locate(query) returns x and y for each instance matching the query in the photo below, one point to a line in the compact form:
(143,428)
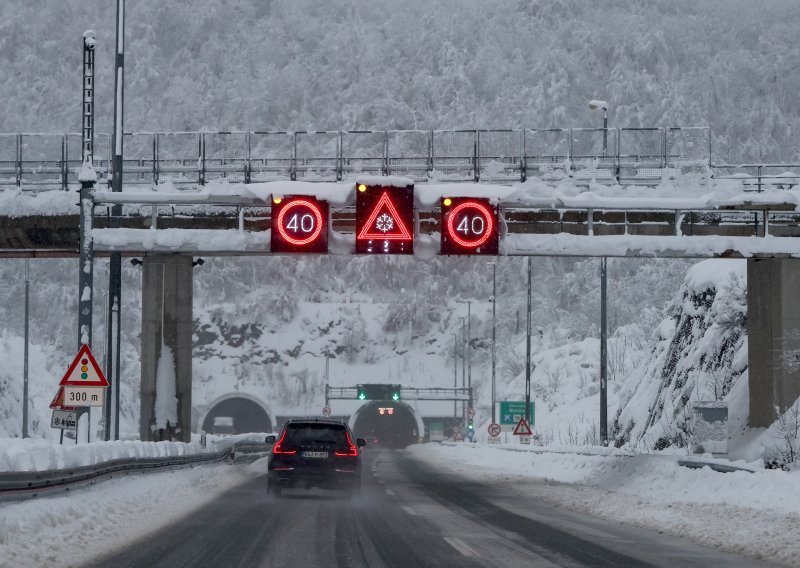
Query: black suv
(315,453)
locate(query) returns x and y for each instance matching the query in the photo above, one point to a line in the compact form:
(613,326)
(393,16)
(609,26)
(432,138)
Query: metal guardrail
(640,156)
(18,485)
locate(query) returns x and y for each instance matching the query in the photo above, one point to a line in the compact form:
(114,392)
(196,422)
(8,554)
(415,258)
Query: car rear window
(301,434)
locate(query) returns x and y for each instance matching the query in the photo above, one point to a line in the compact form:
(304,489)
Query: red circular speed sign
(299,222)
(494,429)
(469,226)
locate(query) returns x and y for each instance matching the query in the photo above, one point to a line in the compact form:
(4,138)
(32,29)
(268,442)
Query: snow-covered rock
(700,353)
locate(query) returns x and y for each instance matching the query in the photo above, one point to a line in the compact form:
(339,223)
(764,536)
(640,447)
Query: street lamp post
(603,303)
(604,106)
(25,354)
(455,371)
(494,339)
(463,356)
(468,347)
(528,346)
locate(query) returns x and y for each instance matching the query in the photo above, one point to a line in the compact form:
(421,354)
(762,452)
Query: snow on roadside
(73,529)
(754,514)
(37,454)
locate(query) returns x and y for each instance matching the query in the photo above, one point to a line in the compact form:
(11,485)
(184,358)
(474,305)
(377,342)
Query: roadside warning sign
(58,402)
(522,428)
(84,371)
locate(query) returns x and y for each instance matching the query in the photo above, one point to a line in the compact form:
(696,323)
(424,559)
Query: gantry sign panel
(299,224)
(384,219)
(469,226)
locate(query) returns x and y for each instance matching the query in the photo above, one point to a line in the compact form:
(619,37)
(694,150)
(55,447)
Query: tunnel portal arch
(249,414)
(393,423)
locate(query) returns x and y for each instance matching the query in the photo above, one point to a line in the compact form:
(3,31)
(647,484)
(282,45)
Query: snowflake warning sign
(384,219)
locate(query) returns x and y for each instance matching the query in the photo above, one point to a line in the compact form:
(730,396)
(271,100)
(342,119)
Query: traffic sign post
(384,219)
(84,396)
(299,224)
(82,386)
(523,431)
(58,401)
(84,371)
(510,412)
(469,226)
(64,420)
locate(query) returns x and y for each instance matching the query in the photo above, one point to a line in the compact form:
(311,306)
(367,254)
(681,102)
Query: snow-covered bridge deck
(689,217)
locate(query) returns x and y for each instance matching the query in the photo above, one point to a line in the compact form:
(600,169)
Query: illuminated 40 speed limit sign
(469,226)
(299,224)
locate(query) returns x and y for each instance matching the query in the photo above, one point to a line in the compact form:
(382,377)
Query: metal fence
(629,156)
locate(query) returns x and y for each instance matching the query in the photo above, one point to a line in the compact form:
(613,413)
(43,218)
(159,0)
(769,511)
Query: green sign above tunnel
(374,391)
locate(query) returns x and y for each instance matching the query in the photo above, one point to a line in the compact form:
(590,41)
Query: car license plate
(315,454)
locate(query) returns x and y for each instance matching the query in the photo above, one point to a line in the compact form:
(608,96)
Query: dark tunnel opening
(392,423)
(237,415)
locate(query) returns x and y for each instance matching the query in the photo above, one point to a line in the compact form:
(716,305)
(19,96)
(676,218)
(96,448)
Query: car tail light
(277,449)
(352,449)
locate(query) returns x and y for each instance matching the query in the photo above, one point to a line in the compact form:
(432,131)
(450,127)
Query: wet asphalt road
(409,515)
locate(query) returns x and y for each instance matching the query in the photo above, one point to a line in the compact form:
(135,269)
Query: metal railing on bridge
(629,156)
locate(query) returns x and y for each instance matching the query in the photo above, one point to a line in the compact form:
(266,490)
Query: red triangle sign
(522,428)
(84,371)
(385,223)
(58,402)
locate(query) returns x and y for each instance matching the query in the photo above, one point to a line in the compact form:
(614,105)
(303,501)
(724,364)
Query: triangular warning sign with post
(84,371)
(58,402)
(385,222)
(522,428)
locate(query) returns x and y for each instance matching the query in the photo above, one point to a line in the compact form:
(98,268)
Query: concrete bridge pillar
(166,390)
(773,321)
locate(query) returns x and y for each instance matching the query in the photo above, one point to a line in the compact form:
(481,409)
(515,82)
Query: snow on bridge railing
(628,156)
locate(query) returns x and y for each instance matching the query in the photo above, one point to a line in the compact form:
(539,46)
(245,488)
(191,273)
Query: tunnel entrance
(237,415)
(394,424)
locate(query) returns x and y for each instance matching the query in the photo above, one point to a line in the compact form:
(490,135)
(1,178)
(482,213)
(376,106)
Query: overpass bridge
(212,194)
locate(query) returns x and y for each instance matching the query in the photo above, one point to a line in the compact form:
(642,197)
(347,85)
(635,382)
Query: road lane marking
(409,510)
(460,545)
(389,492)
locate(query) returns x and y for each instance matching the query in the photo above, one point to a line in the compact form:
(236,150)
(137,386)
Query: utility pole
(115,262)
(469,349)
(603,352)
(528,346)
(463,360)
(494,340)
(455,371)
(25,364)
(87,179)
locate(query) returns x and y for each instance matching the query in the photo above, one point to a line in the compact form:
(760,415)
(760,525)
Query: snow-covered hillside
(318,64)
